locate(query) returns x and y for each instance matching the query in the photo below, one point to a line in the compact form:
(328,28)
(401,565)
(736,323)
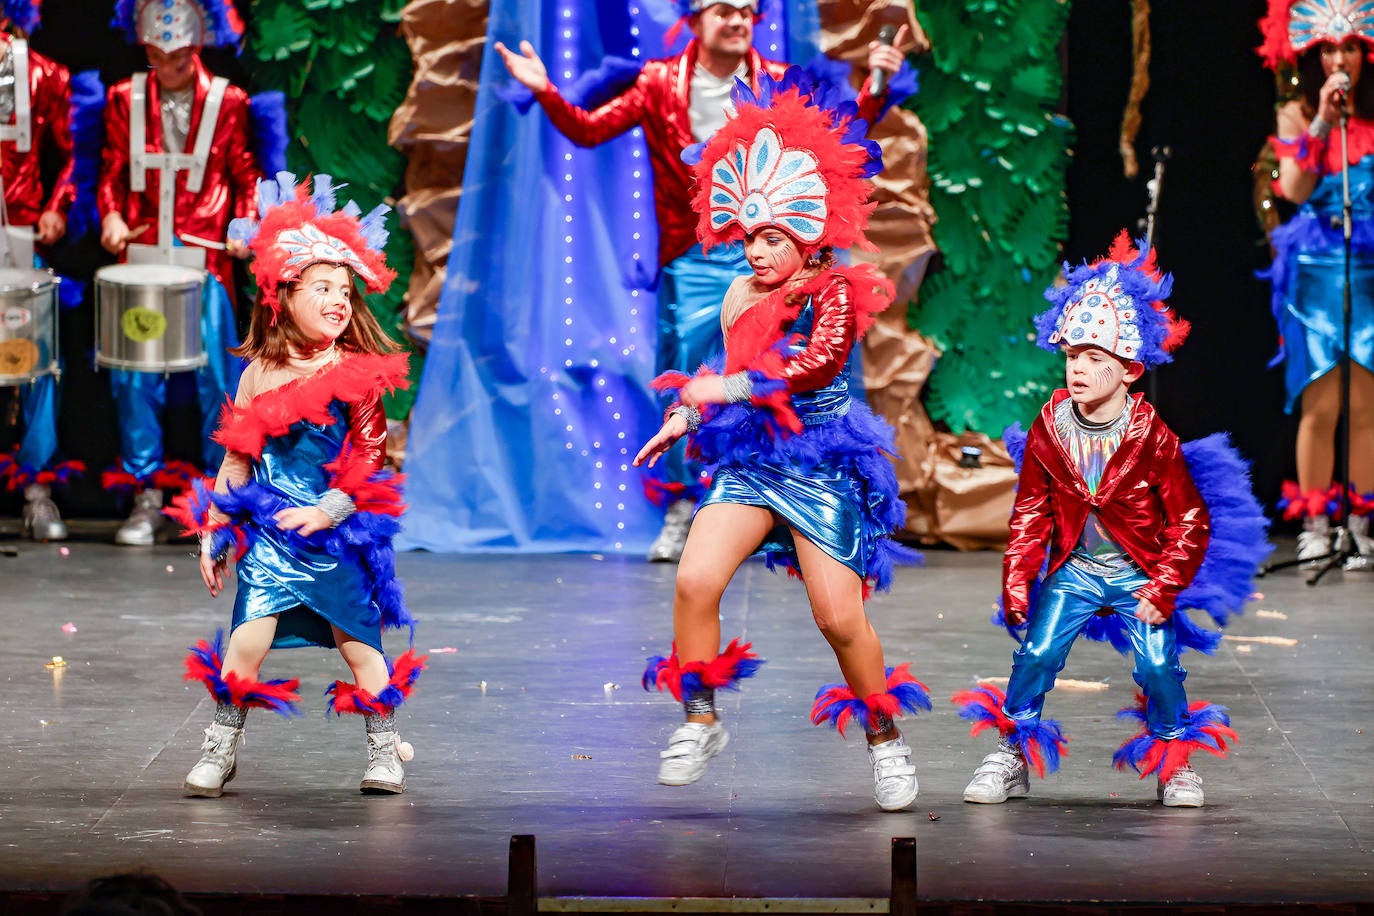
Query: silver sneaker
(384,774)
(1183,790)
(690,748)
(1359,530)
(677,521)
(1000,776)
(218,762)
(894,778)
(41,519)
(1314,542)
(144,523)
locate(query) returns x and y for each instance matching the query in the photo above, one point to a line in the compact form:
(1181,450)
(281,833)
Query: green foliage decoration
(998,154)
(344,68)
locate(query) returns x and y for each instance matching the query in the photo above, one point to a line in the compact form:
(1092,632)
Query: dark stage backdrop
(1211,100)
(78,34)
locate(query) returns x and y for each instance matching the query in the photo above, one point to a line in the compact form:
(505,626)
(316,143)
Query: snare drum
(28,325)
(148,317)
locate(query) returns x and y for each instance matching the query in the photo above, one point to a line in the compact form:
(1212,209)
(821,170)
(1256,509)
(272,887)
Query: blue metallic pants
(1068,600)
(141,397)
(38,403)
(690,292)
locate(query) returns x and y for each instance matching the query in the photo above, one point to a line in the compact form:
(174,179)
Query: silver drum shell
(148,317)
(28,325)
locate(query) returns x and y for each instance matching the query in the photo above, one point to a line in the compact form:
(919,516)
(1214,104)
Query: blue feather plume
(268,113)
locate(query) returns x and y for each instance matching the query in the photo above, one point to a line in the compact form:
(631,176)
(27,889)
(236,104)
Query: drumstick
(203,243)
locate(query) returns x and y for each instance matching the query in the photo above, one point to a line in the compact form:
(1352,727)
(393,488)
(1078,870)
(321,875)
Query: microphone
(886,36)
(1344,88)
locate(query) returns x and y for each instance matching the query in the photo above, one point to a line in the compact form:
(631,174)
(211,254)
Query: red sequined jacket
(1146,501)
(49,100)
(229,188)
(658,101)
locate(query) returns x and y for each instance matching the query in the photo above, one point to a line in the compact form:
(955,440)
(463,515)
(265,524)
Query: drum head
(14,279)
(150,275)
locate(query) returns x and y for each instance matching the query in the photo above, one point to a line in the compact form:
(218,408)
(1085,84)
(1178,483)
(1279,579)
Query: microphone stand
(1343,545)
(1161,155)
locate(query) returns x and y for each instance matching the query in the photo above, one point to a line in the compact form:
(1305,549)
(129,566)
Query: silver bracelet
(336,504)
(738,388)
(1319,128)
(690,414)
(207,546)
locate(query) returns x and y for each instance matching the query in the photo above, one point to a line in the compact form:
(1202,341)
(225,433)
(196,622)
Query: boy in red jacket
(1106,492)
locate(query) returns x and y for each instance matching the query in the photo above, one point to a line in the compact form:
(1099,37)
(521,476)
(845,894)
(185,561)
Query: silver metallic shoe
(894,778)
(1000,776)
(384,774)
(41,519)
(1183,790)
(144,523)
(1359,530)
(1314,542)
(218,762)
(677,521)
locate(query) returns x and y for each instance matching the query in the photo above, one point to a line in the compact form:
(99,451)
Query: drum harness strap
(167,164)
(13,250)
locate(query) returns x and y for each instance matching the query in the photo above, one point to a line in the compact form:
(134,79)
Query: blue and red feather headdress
(26,14)
(1115,303)
(173,24)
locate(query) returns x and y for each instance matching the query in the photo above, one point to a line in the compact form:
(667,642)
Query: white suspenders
(166,165)
(21,131)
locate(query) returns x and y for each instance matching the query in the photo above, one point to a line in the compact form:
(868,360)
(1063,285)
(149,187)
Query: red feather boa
(355,378)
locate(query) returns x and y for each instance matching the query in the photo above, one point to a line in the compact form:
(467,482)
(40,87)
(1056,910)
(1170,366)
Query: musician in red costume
(206,122)
(680,101)
(34,126)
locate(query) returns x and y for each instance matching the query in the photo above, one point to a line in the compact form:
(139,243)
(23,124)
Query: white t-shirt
(711,100)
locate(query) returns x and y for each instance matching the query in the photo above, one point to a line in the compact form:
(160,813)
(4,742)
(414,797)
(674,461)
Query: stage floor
(531,720)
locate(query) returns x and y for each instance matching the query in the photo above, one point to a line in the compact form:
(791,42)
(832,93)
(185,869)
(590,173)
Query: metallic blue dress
(833,482)
(284,574)
(1308,277)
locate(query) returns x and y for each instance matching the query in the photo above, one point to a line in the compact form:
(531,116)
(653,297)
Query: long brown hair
(1312,76)
(272,343)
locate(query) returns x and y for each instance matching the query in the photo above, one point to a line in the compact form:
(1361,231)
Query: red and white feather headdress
(298,227)
(1293,26)
(783,160)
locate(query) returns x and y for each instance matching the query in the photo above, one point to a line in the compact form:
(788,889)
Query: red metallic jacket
(50,96)
(658,101)
(1146,501)
(229,189)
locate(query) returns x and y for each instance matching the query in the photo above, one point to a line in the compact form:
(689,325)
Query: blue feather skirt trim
(833,483)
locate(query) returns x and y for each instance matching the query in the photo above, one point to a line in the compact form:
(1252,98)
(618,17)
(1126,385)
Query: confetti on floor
(1274,615)
(1061,683)
(1265,640)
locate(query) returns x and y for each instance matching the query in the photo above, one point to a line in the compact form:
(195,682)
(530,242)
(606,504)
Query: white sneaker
(384,774)
(1359,530)
(677,521)
(1183,790)
(1001,775)
(690,747)
(1314,542)
(217,764)
(141,527)
(41,518)
(894,778)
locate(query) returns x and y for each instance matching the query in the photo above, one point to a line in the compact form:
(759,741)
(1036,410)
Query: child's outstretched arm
(673,429)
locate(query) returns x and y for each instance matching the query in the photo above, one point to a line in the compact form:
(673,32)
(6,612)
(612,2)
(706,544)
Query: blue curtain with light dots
(535,395)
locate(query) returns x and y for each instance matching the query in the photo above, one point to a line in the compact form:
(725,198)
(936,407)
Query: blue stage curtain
(535,394)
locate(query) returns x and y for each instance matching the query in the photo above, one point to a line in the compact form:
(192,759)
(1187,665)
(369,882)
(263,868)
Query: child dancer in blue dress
(801,470)
(301,494)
